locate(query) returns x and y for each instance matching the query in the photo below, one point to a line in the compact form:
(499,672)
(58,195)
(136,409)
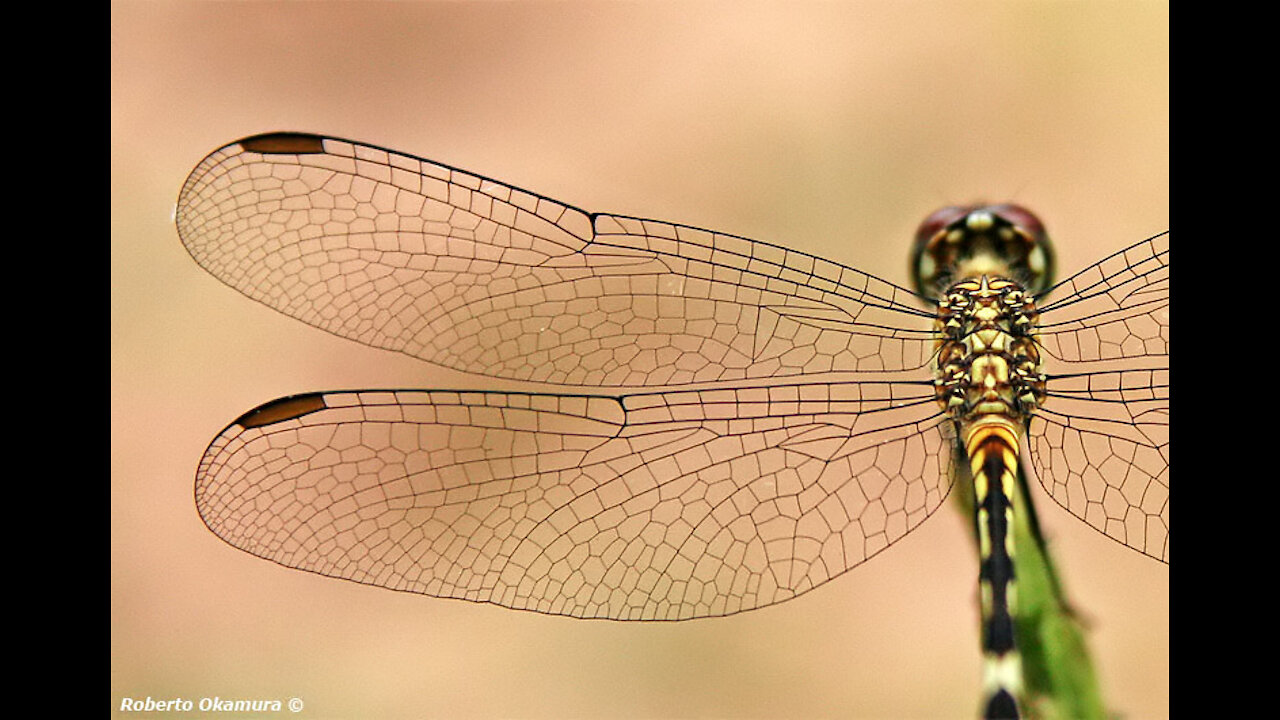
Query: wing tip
(283,143)
(279,410)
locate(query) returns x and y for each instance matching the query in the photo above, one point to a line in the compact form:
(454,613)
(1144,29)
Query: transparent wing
(401,253)
(659,506)
(1100,444)
(1100,448)
(1115,309)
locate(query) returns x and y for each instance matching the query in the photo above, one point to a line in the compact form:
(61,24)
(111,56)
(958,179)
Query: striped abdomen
(992,448)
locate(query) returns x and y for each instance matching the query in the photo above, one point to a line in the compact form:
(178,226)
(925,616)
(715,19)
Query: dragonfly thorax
(957,243)
(987,361)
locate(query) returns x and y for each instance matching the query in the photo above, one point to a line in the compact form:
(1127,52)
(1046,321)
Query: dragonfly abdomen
(992,446)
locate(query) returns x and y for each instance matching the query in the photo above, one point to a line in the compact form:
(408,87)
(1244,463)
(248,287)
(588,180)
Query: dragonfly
(731,423)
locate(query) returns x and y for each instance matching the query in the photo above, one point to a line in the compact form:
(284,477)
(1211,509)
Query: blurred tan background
(831,128)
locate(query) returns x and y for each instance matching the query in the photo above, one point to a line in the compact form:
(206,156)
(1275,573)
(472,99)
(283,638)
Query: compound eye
(938,220)
(1019,216)
(931,261)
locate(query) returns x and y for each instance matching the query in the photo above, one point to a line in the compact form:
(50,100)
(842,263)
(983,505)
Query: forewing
(660,506)
(1115,309)
(1100,444)
(401,253)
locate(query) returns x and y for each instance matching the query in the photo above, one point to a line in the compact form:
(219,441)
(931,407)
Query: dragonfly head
(956,243)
